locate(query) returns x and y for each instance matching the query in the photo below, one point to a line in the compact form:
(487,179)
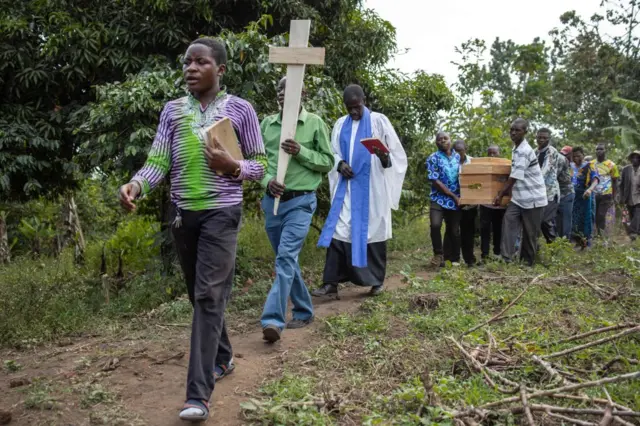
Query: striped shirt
(529,191)
(179,150)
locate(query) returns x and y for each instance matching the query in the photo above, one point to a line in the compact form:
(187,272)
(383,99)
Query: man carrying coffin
(364,188)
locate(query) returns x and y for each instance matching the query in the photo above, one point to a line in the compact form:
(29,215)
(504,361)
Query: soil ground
(140,379)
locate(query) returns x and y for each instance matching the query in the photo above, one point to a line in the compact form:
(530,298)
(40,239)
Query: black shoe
(271,333)
(298,323)
(376,290)
(326,290)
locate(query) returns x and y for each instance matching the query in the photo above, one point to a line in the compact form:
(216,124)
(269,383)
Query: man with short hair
(443,169)
(564,216)
(311,157)
(606,191)
(364,189)
(548,161)
(528,198)
(630,193)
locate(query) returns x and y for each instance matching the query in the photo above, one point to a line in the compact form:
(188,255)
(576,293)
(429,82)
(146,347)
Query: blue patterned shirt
(446,170)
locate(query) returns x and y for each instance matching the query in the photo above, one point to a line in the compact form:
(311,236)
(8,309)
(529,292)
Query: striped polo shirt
(179,150)
(529,191)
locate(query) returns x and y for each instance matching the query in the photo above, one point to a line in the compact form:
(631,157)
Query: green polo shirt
(315,156)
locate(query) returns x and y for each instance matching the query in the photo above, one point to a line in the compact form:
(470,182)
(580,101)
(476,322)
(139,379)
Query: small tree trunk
(5,255)
(72,227)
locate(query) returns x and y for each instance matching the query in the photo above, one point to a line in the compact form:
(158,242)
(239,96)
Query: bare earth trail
(148,373)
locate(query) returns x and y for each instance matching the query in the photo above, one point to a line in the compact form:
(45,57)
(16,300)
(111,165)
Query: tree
(55,52)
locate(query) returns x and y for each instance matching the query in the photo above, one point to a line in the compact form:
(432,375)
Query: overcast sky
(431,29)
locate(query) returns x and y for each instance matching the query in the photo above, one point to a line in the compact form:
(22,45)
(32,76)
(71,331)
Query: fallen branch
(525,405)
(585,398)
(594,343)
(550,392)
(591,333)
(595,288)
(555,375)
(513,302)
(569,410)
(486,372)
(570,420)
(612,404)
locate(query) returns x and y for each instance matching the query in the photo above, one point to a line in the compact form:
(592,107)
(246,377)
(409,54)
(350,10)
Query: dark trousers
(634,215)
(451,218)
(603,203)
(206,244)
(338,266)
(467,235)
(548,226)
(564,216)
(490,222)
(516,219)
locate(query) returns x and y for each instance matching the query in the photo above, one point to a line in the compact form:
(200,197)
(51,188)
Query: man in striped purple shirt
(207,206)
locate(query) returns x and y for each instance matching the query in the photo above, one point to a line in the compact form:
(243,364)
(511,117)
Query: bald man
(311,157)
(364,189)
(528,198)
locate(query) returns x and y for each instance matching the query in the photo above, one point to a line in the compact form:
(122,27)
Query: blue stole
(361,165)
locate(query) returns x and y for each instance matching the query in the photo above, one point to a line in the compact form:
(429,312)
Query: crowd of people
(559,194)
(206,193)
(207,190)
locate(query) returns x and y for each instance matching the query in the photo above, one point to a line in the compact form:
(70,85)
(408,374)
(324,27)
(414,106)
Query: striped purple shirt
(179,149)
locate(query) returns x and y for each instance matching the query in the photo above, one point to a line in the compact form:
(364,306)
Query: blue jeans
(564,218)
(287,232)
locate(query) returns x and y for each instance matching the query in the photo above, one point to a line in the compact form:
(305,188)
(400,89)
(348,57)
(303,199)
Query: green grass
(391,362)
(47,298)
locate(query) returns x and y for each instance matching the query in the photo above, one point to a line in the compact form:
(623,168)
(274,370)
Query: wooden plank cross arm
(296,56)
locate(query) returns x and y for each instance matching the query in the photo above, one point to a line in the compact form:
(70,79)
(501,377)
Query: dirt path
(148,373)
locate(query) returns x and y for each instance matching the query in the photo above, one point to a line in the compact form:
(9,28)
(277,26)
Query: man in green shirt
(311,156)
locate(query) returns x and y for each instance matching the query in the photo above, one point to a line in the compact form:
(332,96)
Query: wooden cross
(296,56)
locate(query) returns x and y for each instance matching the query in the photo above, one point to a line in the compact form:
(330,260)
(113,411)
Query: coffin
(482,179)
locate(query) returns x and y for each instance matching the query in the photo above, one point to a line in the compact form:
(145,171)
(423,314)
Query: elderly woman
(585,179)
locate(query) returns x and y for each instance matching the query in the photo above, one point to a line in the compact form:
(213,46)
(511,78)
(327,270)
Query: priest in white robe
(364,189)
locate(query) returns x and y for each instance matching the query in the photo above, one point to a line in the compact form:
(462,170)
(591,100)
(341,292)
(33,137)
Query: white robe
(385,185)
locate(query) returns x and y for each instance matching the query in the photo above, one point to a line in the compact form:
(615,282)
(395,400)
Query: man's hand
(275,188)
(219,159)
(383,156)
(291,147)
(456,199)
(498,200)
(587,194)
(128,193)
(345,170)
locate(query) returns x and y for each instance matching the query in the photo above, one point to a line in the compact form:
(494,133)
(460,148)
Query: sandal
(221,370)
(195,411)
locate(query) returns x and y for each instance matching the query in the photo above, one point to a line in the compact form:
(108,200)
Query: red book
(372,143)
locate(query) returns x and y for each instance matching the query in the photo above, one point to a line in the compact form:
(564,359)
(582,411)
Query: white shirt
(385,185)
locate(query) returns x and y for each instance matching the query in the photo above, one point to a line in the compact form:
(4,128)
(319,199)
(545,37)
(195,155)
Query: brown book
(226,136)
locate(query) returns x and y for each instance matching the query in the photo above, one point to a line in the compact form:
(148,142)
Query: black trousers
(548,225)
(603,203)
(206,244)
(467,237)
(490,223)
(338,268)
(451,218)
